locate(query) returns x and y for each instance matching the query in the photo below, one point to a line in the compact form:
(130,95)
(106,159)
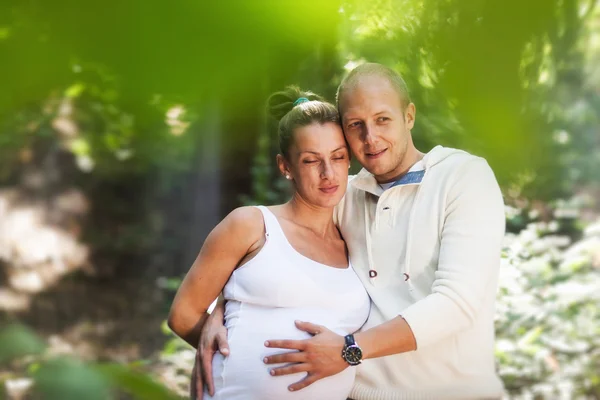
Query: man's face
(376,127)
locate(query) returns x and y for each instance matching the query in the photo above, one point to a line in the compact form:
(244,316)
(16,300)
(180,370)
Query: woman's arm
(240,233)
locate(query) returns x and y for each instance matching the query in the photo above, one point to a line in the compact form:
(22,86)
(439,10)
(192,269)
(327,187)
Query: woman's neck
(318,219)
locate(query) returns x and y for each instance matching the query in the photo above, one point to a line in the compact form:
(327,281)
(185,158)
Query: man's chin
(376,169)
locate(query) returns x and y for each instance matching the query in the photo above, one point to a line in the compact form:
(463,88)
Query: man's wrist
(360,340)
(351,352)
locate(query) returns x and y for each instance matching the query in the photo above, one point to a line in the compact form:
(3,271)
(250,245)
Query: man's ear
(409,115)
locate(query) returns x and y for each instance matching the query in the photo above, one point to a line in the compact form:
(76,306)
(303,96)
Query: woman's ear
(284,167)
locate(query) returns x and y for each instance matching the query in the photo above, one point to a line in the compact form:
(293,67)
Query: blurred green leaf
(532,336)
(137,384)
(172,283)
(75,90)
(68,379)
(175,345)
(4,32)
(33,367)
(164,327)
(17,341)
(80,147)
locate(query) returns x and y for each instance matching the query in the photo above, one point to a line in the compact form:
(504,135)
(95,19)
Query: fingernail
(297,321)
(265,360)
(272,372)
(291,389)
(267,343)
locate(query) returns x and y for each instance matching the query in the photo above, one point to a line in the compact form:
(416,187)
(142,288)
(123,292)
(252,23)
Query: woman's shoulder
(241,227)
(245,218)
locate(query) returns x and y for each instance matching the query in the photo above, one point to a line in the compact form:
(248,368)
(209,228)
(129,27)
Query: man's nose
(370,134)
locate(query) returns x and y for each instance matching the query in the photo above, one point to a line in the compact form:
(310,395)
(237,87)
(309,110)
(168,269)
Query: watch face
(353,355)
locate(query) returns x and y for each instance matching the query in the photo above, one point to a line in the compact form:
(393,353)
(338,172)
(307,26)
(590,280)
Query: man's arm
(468,264)
(469,258)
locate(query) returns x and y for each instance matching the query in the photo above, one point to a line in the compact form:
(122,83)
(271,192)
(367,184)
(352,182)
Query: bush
(548,336)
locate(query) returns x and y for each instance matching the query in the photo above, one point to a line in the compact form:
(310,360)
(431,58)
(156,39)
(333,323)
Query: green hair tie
(300,101)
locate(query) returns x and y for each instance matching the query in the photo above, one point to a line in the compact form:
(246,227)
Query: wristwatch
(351,353)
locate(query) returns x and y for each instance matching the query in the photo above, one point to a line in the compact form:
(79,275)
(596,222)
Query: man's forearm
(392,337)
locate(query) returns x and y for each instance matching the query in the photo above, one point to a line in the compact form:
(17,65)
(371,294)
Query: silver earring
(288,177)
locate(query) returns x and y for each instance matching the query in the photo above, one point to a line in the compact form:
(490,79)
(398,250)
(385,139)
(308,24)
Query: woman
(278,264)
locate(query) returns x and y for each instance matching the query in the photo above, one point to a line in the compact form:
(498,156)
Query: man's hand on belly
(319,356)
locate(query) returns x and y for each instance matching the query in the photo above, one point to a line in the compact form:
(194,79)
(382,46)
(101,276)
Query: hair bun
(281,103)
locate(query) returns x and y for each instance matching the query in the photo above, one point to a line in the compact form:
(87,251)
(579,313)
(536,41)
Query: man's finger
(309,380)
(290,369)
(292,357)
(313,329)
(206,357)
(286,344)
(223,344)
(196,389)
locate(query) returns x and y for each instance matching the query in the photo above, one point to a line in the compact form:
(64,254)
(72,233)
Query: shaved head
(368,70)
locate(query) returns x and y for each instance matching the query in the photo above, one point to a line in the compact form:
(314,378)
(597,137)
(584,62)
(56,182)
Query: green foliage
(17,341)
(137,384)
(268,187)
(89,121)
(70,379)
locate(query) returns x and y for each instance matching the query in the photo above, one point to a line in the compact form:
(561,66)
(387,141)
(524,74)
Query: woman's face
(318,164)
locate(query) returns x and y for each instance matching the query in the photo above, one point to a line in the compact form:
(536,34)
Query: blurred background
(129,129)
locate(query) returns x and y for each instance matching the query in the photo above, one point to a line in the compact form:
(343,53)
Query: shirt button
(372,273)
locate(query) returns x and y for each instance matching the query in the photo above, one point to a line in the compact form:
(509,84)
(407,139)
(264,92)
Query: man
(424,234)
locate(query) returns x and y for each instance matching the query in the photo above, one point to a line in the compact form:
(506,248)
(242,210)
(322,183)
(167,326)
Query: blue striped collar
(364,180)
(411,177)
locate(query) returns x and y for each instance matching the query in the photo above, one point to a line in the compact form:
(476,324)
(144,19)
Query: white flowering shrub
(548,310)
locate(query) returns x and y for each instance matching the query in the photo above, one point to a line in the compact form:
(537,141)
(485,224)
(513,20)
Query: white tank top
(264,297)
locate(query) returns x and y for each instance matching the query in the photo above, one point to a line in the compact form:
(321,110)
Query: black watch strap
(349,339)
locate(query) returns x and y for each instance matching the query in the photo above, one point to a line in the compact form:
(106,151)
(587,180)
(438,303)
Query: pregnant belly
(244,375)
